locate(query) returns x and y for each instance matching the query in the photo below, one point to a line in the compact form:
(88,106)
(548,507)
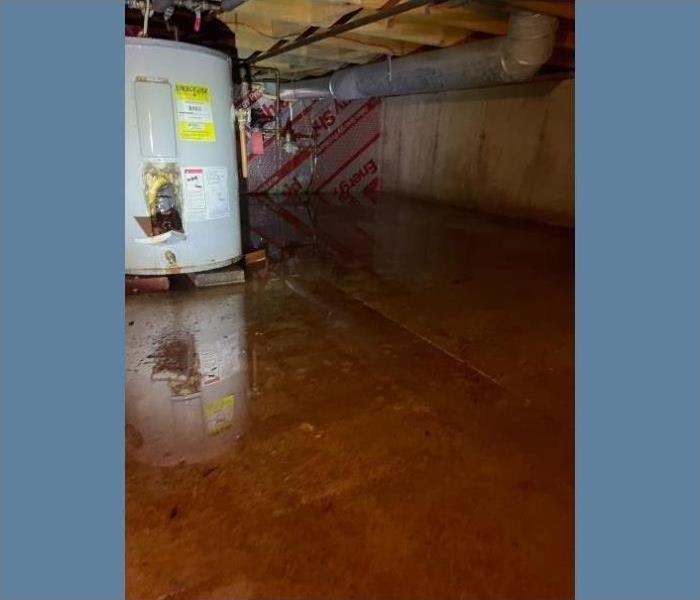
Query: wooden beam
(248,38)
(438,26)
(305,12)
(456,19)
(275,29)
(556,8)
(363,20)
(387,46)
(414,31)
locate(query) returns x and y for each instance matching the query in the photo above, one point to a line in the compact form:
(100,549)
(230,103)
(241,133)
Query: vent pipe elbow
(528,45)
(511,58)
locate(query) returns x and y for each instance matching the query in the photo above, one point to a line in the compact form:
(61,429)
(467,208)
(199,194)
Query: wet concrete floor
(388,414)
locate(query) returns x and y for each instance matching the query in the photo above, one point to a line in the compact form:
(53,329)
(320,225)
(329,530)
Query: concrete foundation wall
(506,150)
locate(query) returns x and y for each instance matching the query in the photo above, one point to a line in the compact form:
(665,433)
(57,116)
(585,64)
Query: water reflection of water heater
(181,184)
(187,375)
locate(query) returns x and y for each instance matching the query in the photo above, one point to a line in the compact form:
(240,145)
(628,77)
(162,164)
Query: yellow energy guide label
(194,117)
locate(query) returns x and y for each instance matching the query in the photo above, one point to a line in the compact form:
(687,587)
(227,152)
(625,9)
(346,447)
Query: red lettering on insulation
(345,185)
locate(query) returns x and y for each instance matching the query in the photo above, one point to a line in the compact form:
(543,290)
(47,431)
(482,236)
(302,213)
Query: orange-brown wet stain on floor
(401,428)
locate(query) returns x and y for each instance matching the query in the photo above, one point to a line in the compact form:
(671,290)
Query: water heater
(181,180)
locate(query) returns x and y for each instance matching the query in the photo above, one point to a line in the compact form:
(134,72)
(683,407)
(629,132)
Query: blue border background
(637,299)
(62,414)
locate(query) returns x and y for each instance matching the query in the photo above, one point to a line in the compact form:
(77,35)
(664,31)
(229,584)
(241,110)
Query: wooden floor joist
(287,25)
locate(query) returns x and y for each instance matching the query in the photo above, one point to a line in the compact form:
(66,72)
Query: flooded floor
(388,414)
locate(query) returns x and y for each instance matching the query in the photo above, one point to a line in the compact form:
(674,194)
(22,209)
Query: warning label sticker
(195,200)
(216,190)
(194,116)
(206,193)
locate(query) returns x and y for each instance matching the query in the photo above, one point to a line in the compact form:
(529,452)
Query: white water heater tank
(181,185)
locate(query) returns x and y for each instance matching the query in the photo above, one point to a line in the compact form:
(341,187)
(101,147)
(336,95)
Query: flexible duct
(511,58)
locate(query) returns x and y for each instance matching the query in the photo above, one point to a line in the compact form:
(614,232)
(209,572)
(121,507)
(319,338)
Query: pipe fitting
(528,45)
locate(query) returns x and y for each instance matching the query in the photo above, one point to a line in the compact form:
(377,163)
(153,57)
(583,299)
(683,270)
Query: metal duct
(307,88)
(511,58)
